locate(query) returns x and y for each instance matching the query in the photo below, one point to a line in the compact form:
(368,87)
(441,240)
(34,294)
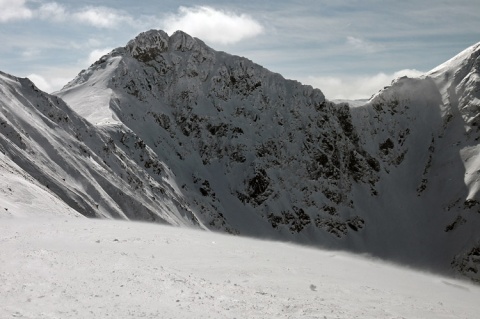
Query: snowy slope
(255,154)
(61,155)
(22,196)
(83,268)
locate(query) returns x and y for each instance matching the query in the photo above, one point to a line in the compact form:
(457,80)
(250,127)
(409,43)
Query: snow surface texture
(181,134)
(23,196)
(84,268)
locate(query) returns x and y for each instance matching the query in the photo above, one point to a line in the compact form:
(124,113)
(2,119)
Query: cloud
(14,10)
(96,54)
(356,87)
(99,17)
(40,82)
(212,25)
(102,17)
(52,11)
(53,79)
(30,53)
(362,45)
(49,84)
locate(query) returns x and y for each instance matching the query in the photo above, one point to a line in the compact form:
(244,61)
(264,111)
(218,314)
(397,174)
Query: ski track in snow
(81,268)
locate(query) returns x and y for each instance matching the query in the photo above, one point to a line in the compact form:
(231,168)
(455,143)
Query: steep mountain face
(50,155)
(182,134)
(254,153)
(425,133)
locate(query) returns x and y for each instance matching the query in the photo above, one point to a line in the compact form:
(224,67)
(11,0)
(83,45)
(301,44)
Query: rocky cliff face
(193,136)
(254,153)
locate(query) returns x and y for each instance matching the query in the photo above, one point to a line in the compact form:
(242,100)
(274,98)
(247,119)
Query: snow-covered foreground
(81,268)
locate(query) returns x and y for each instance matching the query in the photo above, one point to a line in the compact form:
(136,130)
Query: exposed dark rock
(455,224)
(386,146)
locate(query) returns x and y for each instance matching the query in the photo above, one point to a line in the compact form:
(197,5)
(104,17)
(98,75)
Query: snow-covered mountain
(55,155)
(177,132)
(253,153)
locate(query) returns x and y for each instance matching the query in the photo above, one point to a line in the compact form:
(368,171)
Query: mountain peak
(457,63)
(148,44)
(460,74)
(181,41)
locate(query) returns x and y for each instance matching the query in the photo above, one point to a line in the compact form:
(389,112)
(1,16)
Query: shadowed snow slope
(83,268)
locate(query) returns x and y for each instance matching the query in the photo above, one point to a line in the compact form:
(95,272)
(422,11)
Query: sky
(349,49)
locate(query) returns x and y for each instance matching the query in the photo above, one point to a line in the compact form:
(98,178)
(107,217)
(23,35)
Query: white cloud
(362,45)
(356,87)
(94,42)
(52,10)
(40,82)
(99,17)
(212,25)
(30,53)
(14,10)
(97,54)
(102,17)
(53,79)
(216,26)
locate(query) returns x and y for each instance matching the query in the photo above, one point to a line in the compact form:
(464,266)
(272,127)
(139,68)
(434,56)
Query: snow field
(81,268)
